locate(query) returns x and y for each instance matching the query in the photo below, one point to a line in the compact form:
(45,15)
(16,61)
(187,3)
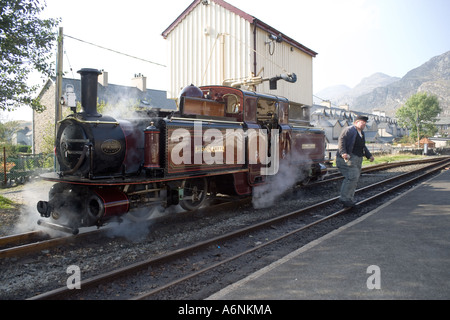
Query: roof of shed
(245,16)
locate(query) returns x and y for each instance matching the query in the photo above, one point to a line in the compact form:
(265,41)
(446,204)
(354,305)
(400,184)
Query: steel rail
(30,236)
(39,244)
(133,268)
(291,233)
(381,166)
(20,238)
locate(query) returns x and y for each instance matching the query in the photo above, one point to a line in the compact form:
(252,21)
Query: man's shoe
(348,204)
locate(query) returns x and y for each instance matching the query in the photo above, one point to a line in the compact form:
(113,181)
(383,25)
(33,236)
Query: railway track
(336,175)
(187,267)
(35,241)
(16,244)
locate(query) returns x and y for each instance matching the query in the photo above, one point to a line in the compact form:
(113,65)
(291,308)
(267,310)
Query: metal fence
(19,168)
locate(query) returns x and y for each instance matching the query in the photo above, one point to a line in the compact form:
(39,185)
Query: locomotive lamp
(69,98)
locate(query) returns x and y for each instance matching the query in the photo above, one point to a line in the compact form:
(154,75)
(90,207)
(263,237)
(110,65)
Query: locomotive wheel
(146,212)
(305,181)
(195,193)
(306,177)
(143,214)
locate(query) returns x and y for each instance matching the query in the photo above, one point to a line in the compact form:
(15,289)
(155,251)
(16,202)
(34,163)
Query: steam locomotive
(222,139)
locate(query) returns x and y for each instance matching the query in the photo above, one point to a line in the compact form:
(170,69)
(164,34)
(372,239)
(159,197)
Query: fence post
(4,164)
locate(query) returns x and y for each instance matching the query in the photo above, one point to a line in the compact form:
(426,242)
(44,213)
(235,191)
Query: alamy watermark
(74,280)
(374,281)
(226,148)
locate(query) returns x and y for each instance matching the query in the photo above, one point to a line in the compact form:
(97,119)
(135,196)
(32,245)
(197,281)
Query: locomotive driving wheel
(195,193)
(144,214)
(152,196)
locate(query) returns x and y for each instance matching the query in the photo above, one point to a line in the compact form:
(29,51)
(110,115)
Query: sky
(353,38)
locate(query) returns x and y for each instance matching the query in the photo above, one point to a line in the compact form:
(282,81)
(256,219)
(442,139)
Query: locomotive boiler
(222,139)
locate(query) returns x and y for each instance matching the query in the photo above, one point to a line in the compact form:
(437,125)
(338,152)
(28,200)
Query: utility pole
(59,76)
(58,84)
(418,133)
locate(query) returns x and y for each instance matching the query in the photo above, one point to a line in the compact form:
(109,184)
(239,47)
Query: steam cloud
(288,174)
(30,195)
(134,230)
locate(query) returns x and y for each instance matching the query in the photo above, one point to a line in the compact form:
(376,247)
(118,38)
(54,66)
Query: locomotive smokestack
(89,79)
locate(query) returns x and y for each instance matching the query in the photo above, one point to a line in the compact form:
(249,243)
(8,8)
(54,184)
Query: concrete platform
(399,251)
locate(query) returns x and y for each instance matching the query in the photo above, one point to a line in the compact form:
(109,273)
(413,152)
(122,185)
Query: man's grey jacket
(347,140)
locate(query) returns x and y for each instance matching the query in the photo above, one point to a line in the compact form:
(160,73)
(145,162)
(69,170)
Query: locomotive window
(266,108)
(232,102)
(299,113)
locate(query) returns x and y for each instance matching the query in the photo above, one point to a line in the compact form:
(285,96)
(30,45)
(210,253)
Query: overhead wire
(70,66)
(115,51)
(332,103)
(162,65)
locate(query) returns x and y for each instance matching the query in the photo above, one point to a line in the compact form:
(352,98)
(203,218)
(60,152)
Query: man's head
(360,122)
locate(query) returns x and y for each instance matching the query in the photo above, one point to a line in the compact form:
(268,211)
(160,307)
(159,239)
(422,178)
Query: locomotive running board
(58,227)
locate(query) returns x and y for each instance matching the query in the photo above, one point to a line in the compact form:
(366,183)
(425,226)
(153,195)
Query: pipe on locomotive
(254,81)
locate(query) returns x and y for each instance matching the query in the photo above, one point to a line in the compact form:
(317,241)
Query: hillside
(342,94)
(388,93)
(333,93)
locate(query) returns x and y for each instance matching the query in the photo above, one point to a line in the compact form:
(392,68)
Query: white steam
(137,229)
(125,106)
(288,174)
(28,197)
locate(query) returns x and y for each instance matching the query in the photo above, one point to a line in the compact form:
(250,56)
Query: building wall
(43,123)
(275,58)
(210,45)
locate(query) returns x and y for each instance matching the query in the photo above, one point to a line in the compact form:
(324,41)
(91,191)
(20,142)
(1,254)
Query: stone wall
(44,121)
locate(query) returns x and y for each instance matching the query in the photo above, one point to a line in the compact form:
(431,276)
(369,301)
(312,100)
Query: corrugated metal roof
(245,16)
(192,6)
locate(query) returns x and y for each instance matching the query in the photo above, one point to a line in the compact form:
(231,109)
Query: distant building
(443,125)
(379,129)
(426,141)
(23,137)
(122,96)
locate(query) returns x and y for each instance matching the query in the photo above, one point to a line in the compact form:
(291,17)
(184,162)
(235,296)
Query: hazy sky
(353,38)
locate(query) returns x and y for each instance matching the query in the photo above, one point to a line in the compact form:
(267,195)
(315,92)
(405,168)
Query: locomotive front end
(91,147)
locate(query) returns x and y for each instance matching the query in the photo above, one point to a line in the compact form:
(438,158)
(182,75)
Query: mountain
(342,94)
(371,83)
(389,93)
(333,93)
(432,77)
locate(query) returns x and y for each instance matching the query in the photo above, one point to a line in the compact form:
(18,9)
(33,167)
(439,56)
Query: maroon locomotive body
(221,140)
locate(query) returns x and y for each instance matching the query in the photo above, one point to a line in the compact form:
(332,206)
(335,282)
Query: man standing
(351,149)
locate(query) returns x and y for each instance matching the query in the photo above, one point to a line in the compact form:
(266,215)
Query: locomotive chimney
(89,79)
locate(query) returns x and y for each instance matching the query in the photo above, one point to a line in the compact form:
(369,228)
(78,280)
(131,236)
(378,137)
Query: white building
(212,41)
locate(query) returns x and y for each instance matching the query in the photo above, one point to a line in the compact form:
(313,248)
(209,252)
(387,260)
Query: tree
(419,115)
(7,131)
(26,44)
